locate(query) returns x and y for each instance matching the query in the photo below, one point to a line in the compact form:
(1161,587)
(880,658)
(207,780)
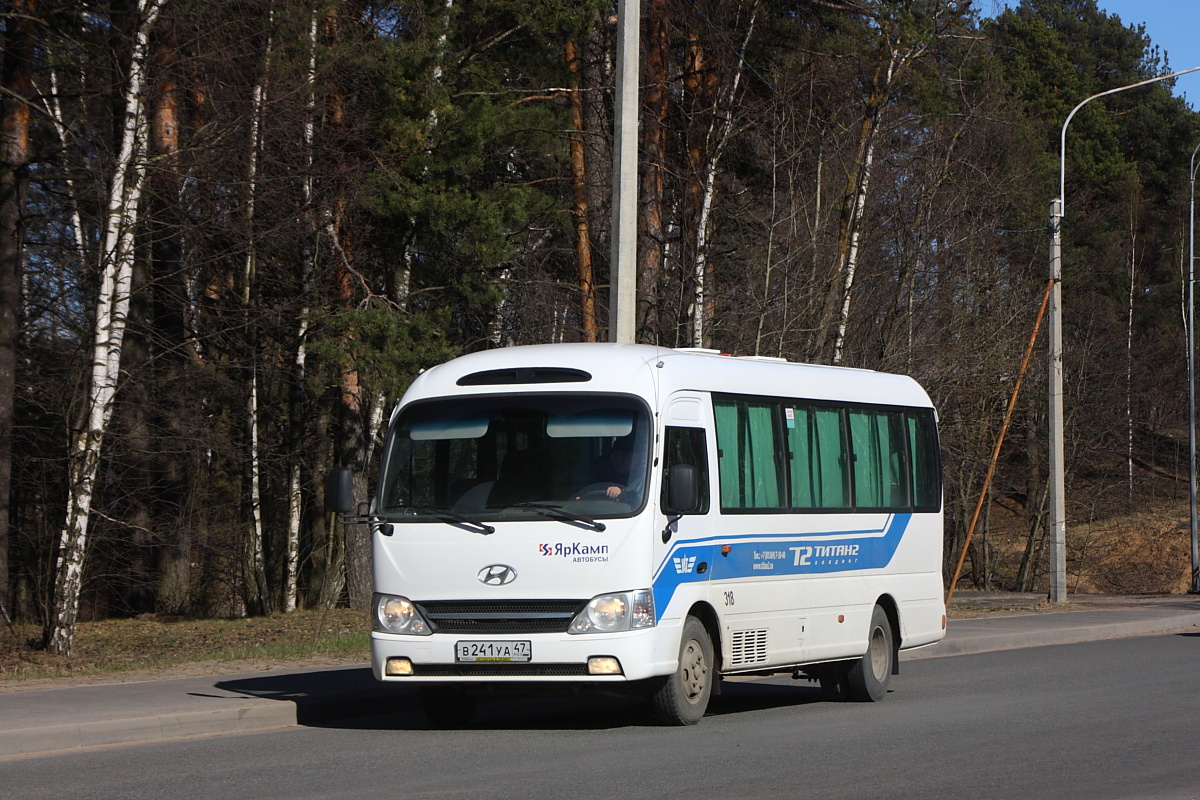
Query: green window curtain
(893,444)
(868,462)
(761,463)
(729,468)
(880,461)
(830,464)
(806,481)
(748,455)
(819,477)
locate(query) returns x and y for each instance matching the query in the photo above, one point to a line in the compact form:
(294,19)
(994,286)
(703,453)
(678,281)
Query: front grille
(499,670)
(500,616)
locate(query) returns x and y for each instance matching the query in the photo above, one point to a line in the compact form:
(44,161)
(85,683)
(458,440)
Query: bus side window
(750,464)
(819,467)
(686,446)
(880,461)
(923,455)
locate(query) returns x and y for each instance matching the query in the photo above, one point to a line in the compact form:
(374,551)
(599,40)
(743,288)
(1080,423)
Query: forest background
(232,231)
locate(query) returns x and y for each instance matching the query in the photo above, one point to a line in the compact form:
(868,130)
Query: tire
(447,706)
(867,681)
(683,696)
(834,686)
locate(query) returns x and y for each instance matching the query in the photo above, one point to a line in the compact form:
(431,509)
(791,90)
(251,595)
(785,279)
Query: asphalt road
(1110,719)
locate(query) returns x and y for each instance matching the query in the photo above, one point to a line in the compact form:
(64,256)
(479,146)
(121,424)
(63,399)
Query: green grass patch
(157,643)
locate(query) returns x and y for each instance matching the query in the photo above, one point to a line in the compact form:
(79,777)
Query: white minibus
(632,518)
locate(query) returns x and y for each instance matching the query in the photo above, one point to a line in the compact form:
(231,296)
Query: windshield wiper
(443,513)
(560,513)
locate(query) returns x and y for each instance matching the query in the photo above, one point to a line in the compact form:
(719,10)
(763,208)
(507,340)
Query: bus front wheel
(867,681)
(683,696)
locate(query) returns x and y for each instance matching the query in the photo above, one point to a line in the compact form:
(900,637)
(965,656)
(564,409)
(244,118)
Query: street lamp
(1191,369)
(1056,524)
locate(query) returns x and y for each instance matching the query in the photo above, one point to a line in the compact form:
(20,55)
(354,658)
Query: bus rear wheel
(683,696)
(867,681)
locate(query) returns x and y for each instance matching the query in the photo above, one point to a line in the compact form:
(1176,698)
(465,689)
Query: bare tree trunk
(579,188)
(112,308)
(651,234)
(596,75)
(14,160)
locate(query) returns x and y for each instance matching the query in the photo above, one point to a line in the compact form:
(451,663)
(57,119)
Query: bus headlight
(621,611)
(395,614)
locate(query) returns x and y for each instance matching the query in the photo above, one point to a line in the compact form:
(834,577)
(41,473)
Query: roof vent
(515,375)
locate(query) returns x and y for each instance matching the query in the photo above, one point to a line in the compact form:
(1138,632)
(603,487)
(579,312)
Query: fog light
(604,665)
(398,666)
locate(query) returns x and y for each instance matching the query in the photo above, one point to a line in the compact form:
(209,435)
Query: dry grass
(1144,553)
(153,646)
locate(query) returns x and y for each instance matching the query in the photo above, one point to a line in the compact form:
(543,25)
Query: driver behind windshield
(618,476)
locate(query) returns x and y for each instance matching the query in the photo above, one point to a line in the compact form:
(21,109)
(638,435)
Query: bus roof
(631,368)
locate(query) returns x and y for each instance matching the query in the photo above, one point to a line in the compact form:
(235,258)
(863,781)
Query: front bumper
(555,657)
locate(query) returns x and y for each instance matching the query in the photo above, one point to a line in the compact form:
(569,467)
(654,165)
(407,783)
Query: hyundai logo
(497,574)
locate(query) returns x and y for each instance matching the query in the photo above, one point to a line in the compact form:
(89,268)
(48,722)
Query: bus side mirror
(339,491)
(683,489)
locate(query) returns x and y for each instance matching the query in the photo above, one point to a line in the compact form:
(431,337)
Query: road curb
(1010,633)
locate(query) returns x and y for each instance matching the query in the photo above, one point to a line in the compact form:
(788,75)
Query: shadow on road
(351,698)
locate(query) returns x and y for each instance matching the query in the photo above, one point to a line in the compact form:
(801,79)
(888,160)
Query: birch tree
(112,308)
(715,139)
(906,30)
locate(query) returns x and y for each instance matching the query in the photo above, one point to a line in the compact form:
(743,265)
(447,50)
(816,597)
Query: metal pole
(1056,522)
(1191,370)
(622,319)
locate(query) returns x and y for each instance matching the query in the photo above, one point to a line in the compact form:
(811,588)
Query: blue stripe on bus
(766,555)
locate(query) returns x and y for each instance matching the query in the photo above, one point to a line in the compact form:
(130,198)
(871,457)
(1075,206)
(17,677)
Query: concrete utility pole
(622,296)
(1056,523)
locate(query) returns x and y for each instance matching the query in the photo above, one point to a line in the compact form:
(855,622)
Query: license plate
(492,651)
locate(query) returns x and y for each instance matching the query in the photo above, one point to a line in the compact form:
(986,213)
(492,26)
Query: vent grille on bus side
(503,377)
(500,616)
(748,647)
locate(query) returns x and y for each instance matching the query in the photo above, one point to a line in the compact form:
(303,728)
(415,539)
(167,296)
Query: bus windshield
(531,456)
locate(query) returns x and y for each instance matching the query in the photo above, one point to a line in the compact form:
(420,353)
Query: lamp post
(1056,523)
(1191,369)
